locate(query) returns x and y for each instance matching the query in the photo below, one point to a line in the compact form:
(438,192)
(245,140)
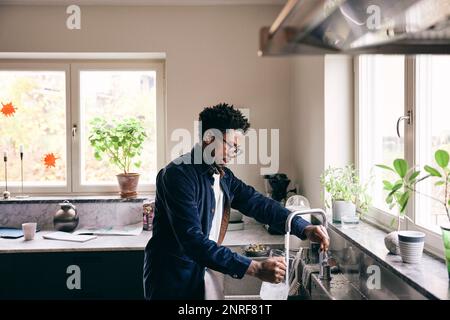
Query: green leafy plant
(400,190)
(343,184)
(442,174)
(121,141)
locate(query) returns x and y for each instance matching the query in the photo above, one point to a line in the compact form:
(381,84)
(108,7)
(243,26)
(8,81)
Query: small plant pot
(411,245)
(128,183)
(342,209)
(446,240)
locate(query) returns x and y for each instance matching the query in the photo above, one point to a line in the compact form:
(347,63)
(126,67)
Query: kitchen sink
(350,276)
(338,288)
(248,288)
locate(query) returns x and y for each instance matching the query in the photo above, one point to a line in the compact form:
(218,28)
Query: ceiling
(142,2)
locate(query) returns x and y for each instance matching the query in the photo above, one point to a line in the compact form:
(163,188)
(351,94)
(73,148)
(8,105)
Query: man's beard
(219,165)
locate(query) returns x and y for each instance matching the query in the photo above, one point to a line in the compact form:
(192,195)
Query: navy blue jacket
(180,249)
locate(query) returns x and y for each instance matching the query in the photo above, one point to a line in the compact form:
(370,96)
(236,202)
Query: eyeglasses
(236,149)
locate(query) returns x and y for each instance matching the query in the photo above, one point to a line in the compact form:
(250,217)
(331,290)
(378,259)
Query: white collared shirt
(214,280)
(218,210)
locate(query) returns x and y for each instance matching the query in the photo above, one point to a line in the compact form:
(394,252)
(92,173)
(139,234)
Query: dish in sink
(257,250)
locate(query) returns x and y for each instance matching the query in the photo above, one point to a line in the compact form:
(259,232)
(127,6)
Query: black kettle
(66,218)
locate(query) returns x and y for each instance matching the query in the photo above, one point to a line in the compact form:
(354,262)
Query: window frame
(381,218)
(46,66)
(71,67)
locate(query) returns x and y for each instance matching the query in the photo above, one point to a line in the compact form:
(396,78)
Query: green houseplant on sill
(442,175)
(399,194)
(344,192)
(121,141)
(401,190)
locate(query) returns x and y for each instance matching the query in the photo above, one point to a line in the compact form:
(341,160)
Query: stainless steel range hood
(359,26)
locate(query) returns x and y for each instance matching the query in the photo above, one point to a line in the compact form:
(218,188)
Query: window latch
(403,118)
(74,130)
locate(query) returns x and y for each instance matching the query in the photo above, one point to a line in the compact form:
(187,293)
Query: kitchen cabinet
(72,275)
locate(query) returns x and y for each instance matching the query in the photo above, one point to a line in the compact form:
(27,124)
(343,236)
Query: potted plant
(345,192)
(411,242)
(442,175)
(122,141)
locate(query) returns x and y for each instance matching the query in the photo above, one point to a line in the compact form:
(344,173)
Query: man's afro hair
(222,117)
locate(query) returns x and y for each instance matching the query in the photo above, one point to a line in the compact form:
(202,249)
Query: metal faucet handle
(326,258)
(325,273)
(326,263)
(323,257)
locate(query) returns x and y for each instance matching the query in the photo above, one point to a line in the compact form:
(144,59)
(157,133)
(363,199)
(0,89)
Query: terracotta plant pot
(128,183)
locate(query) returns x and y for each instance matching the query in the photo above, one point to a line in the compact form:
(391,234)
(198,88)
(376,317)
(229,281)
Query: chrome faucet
(325,273)
(312,212)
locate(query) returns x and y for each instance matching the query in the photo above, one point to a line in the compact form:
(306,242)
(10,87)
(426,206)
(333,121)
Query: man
(194,193)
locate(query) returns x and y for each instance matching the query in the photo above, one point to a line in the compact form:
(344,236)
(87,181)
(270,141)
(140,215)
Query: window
(381,96)
(48,109)
(114,95)
(33,103)
(432,131)
(389,87)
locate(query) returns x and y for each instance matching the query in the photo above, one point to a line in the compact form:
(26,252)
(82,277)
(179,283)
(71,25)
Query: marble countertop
(101,243)
(253,233)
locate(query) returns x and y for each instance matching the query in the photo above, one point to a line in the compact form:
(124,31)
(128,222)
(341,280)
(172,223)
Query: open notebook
(65,236)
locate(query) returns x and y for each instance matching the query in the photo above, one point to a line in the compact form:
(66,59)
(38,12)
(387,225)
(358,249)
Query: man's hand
(318,234)
(271,270)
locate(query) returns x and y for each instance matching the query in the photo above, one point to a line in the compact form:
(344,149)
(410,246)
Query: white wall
(339,111)
(307,124)
(322,118)
(211,57)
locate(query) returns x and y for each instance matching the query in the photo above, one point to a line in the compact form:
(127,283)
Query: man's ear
(208,137)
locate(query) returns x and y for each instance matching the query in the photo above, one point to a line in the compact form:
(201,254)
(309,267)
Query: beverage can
(148,214)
